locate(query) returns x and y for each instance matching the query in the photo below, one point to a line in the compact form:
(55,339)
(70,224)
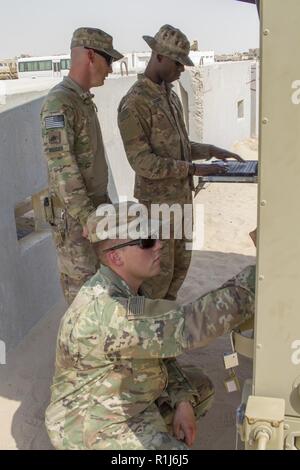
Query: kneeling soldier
(117,384)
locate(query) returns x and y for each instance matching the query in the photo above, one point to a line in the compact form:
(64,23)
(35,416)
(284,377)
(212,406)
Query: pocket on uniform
(59,226)
(59,236)
(150,375)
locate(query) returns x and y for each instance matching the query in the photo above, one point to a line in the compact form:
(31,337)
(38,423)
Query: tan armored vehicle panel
(271,417)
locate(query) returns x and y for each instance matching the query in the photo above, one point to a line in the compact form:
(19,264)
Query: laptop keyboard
(248,168)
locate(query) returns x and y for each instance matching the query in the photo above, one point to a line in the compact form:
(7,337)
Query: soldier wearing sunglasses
(117,384)
(74,151)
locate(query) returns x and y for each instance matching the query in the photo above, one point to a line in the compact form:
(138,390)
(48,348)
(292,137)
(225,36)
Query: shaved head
(78,54)
(105,245)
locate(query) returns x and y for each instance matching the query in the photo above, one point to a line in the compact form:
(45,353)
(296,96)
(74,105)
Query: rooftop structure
(8,69)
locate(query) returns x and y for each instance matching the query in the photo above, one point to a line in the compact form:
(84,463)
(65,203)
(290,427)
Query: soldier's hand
(184,423)
(253,236)
(207,170)
(222,154)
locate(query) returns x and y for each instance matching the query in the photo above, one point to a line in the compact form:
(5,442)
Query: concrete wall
(214,92)
(29,285)
(225,85)
(107,99)
(29,282)
(16,92)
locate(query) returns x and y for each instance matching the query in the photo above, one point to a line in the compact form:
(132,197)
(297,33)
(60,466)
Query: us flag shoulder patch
(135,307)
(55,122)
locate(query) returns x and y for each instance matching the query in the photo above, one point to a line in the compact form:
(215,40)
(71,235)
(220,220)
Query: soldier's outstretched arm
(135,132)
(146,328)
(219,311)
(66,179)
(202,151)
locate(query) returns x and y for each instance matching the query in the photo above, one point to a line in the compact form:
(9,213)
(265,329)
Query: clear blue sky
(40,27)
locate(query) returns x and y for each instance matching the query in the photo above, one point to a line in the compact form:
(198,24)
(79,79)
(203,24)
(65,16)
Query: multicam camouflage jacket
(112,349)
(156,142)
(74,149)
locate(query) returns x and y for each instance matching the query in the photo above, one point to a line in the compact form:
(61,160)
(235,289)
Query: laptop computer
(237,172)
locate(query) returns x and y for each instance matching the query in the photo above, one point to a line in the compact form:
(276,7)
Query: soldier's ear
(159,58)
(115,258)
(91,55)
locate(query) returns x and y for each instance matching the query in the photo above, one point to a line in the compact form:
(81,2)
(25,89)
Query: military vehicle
(269,415)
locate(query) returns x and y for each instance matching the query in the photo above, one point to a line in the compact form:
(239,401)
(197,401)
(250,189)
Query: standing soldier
(159,150)
(73,145)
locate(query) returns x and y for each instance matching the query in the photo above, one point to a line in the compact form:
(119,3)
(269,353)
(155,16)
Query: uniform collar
(86,96)
(163,88)
(120,285)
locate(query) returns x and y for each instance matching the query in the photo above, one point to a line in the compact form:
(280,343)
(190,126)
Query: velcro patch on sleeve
(55,149)
(135,307)
(54,137)
(55,122)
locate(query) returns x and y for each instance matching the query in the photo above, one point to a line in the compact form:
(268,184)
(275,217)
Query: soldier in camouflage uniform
(74,150)
(117,384)
(159,150)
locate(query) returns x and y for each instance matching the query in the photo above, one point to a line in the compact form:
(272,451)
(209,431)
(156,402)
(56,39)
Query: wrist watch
(192,169)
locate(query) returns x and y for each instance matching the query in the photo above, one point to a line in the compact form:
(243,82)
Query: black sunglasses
(178,64)
(143,243)
(109,59)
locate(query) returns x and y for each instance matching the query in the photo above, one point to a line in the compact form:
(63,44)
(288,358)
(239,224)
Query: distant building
(202,57)
(132,63)
(194,46)
(47,66)
(252,54)
(136,62)
(8,69)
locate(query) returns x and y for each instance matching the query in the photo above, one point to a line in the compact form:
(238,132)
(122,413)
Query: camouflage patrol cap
(122,220)
(95,39)
(172,43)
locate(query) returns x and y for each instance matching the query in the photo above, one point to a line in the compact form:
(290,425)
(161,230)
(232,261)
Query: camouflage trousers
(152,429)
(174,264)
(77,261)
